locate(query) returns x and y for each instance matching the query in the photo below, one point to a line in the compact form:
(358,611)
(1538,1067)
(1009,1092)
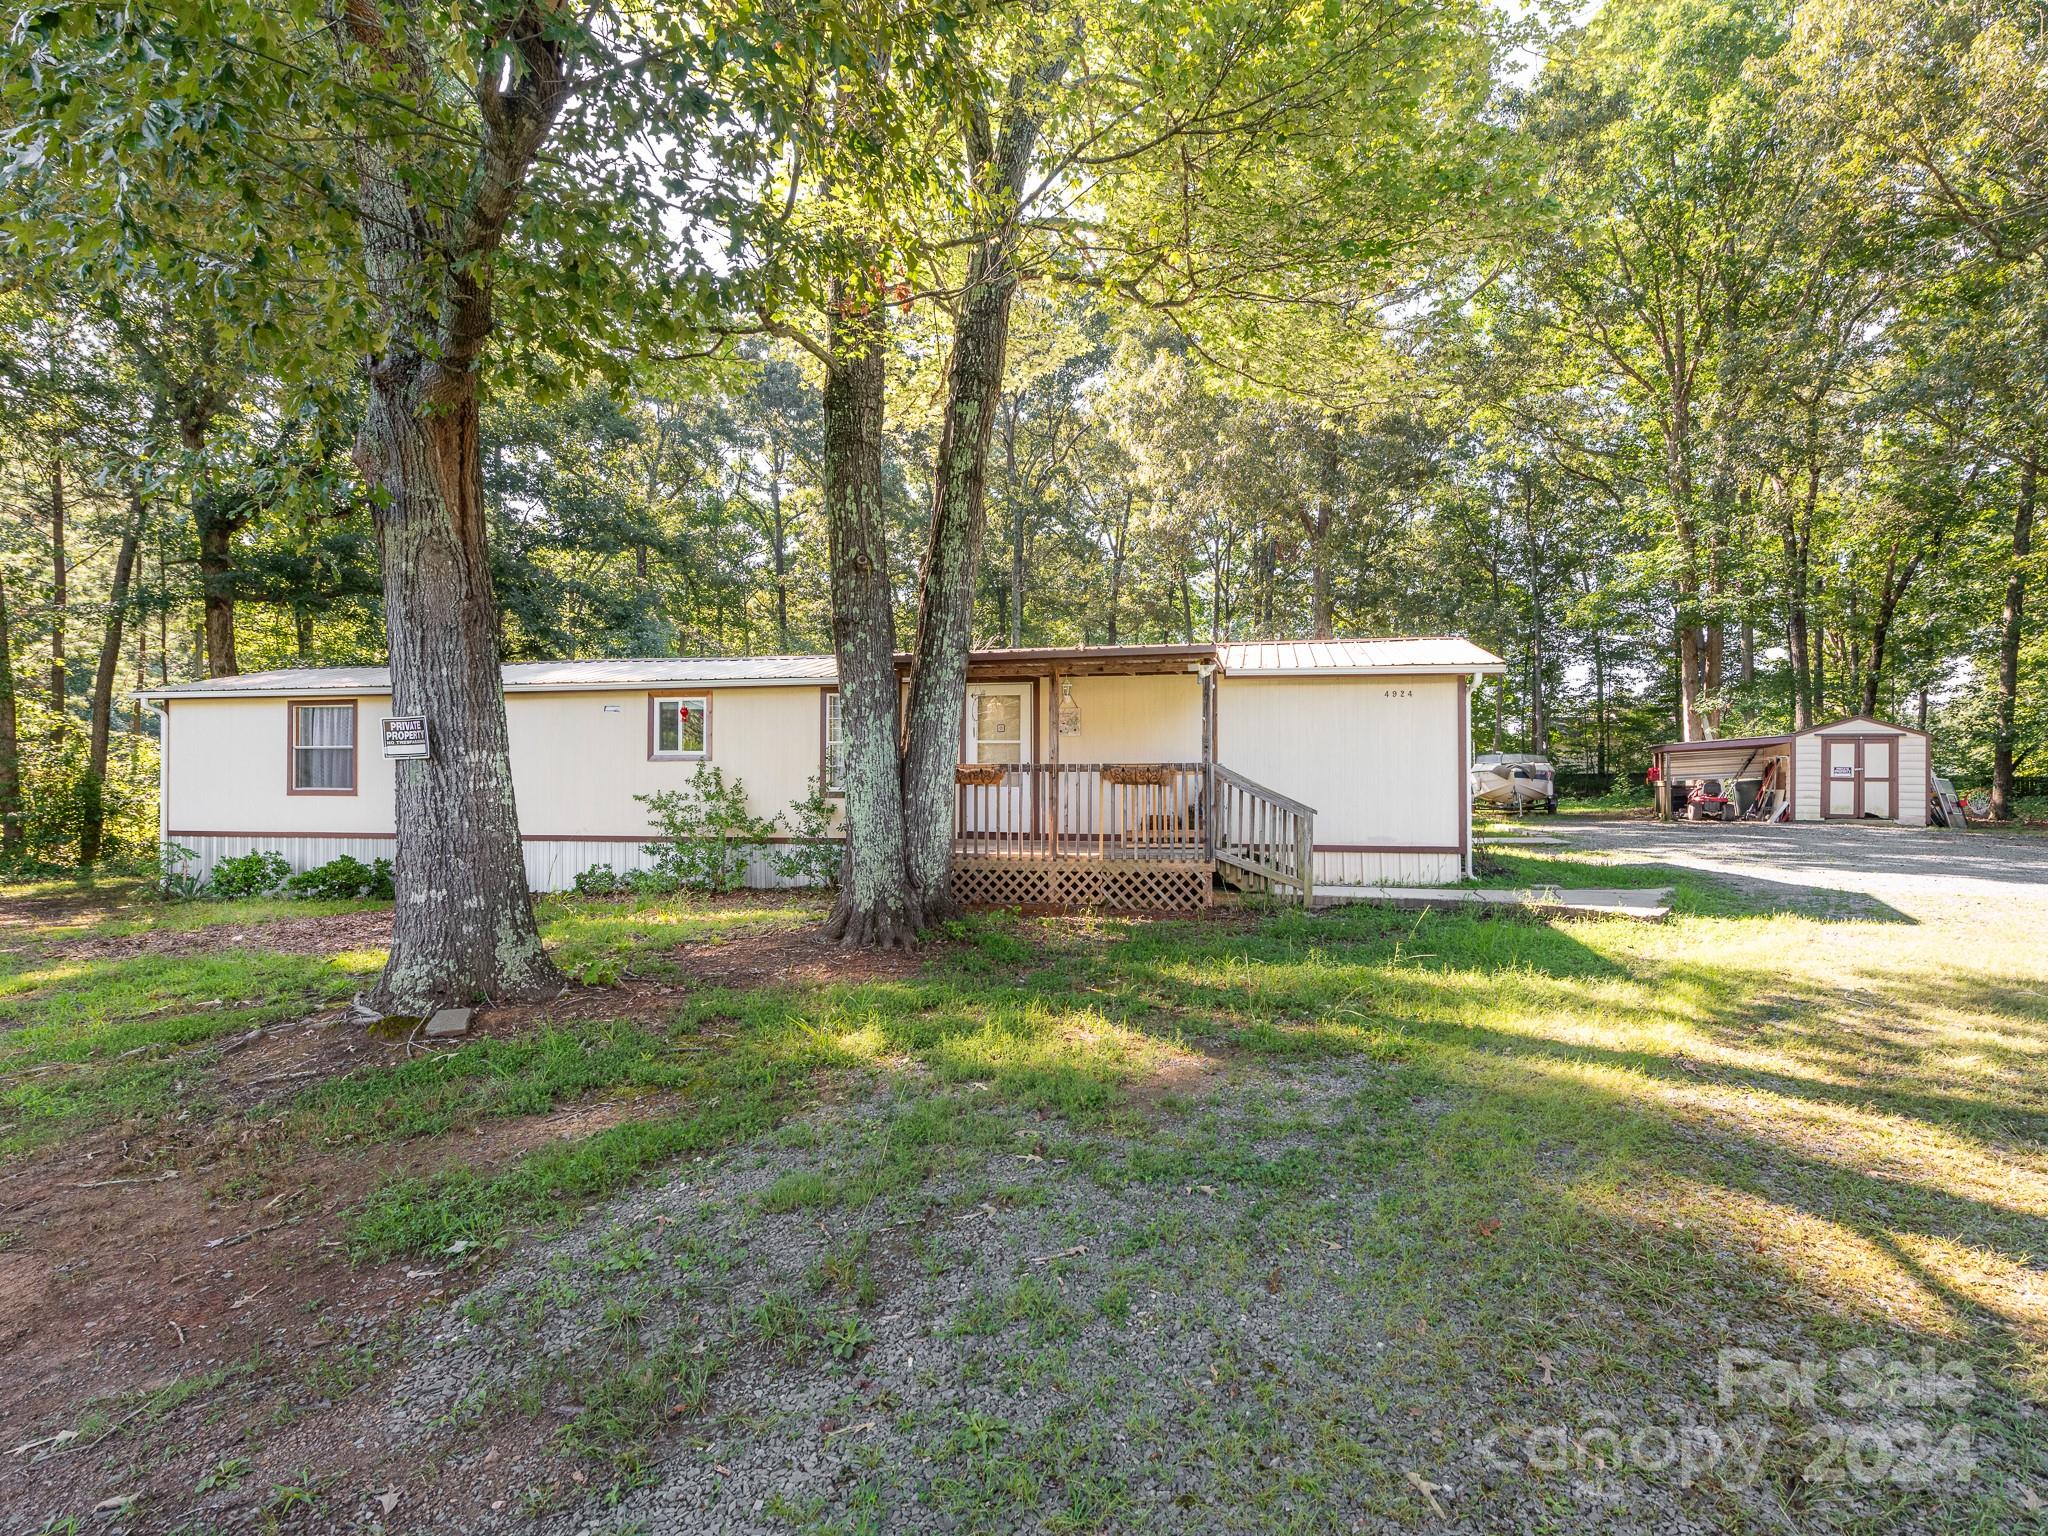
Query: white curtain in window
(324,751)
(998,728)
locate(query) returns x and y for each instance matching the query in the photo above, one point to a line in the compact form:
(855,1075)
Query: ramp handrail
(1263,831)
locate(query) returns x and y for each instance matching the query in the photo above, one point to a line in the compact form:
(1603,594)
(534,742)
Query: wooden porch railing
(1262,832)
(1082,811)
(1169,811)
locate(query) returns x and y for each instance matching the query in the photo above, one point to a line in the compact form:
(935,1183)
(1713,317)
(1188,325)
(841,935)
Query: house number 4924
(1400,693)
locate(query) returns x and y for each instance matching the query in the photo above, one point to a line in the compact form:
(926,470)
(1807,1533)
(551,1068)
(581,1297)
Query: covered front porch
(1089,779)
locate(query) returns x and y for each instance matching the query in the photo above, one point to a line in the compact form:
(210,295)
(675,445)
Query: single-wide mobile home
(1123,776)
(1858,769)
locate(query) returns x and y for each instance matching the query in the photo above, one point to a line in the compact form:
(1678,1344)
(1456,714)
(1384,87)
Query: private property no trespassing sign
(406,736)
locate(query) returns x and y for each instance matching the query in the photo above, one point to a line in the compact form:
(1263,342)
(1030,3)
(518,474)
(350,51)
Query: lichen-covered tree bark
(876,907)
(974,383)
(463,928)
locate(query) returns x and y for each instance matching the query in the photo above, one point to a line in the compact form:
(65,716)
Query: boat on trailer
(1514,781)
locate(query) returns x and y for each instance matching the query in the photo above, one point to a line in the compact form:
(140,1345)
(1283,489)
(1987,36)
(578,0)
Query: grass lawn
(1355,1220)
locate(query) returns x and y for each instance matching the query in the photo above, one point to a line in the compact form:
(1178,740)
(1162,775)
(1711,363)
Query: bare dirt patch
(130,1264)
(330,934)
(794,954)
(130,1261)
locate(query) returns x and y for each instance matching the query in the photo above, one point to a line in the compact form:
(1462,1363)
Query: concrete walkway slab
(1650,904)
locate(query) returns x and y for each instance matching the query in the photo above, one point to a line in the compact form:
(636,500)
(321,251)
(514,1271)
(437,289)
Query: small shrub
(248,874)
(179,885)
(711,833)
(599,880)
(345,879)
(173,881)
(815,853)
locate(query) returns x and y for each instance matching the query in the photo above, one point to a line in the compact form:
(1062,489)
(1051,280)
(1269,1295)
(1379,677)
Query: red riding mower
(1711,800)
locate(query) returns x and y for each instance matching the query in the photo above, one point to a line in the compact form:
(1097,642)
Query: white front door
(998,731)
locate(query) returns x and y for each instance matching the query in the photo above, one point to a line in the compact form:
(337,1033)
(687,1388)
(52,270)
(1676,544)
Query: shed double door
(1859,777)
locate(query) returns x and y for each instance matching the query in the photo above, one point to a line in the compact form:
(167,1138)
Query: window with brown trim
(322,756)
(679,727)
(831,745)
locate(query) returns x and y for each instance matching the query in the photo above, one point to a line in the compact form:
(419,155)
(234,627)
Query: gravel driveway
(1845,870)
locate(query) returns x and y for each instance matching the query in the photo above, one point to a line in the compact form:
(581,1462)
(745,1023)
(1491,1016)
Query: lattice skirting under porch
(1136,885)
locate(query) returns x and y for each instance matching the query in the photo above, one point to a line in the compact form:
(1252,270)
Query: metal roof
(1286,657)
(1713,744)
(524,677)
(1729,757)
(1236,659)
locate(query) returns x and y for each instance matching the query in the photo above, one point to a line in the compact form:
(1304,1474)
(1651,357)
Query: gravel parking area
(1843,870)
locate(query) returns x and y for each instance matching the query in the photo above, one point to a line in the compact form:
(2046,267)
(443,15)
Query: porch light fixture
(1070,712)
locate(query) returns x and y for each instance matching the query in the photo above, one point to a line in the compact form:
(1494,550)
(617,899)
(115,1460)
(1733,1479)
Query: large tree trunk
(877,905)
(92,789)
(217,529)
(1817,667)
(1693,661)
(1116,562)
(463,929)
(945,615)
(1539,703)
(974,379)
(779,527)
(2010,632)
(1900,570)
(1322,600)
(11,831)
(1015,504)
(59,580)
(1599,703)
(1792,539)
(1690,680)
(1795,533)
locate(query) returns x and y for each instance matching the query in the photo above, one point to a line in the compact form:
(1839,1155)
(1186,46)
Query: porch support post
(1209,762)
(1305,858)
(1052,776)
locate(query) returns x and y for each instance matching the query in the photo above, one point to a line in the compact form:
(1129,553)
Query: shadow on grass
(1695,893)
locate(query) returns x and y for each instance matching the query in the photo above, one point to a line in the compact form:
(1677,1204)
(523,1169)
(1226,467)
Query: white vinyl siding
(1376,757)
